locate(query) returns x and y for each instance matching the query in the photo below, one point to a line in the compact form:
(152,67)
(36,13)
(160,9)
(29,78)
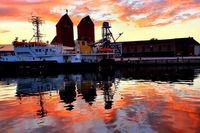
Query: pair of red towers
(65,32)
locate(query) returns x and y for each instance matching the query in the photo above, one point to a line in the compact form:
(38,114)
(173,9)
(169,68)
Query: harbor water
(127,100)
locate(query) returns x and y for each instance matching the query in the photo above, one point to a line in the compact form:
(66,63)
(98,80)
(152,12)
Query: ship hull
(54,66)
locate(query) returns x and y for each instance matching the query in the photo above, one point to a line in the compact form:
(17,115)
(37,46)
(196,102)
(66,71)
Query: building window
(160,48)
(132,48)
(143,48)
(151,48)
(39,50)
(135,49)
(128,49)
(36,50)
(169,48)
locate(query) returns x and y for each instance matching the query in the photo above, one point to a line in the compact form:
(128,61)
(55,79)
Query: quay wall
(105,65)
(159,60)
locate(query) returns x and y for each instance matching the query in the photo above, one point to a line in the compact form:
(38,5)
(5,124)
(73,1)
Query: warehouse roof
(6,47)
(155,41)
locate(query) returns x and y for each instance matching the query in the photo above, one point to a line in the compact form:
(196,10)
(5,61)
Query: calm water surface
(142,100)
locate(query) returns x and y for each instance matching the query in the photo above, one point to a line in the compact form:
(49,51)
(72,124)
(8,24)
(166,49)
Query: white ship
(37,51)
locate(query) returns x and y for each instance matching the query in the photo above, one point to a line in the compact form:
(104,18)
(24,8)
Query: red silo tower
(65,32)
(86,30)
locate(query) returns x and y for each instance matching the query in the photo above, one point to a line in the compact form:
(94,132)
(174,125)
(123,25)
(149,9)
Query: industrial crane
(105,43)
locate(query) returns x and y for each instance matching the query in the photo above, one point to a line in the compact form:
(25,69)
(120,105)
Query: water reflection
(88,91)
(148,99)
(169,74)
(68,94)
(69,87)
(30,86)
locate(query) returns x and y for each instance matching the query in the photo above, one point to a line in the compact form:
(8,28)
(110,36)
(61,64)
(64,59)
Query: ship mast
(37,21)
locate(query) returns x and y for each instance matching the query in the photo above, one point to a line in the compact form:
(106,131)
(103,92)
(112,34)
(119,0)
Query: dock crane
(108,41)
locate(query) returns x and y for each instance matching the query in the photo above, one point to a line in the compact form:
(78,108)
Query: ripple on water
(119,105)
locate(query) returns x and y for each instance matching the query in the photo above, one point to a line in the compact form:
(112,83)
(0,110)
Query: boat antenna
(36,21)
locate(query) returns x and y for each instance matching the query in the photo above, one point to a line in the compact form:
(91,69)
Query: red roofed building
(161,48)
(64,32)
(86,30)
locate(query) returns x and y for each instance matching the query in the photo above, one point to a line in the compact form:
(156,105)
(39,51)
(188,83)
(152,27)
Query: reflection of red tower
(86,30)
(64,31)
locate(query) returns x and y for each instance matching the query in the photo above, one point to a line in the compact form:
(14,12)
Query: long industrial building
(160,48)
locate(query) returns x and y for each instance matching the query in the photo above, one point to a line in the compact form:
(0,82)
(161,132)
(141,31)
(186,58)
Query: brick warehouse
(161,48)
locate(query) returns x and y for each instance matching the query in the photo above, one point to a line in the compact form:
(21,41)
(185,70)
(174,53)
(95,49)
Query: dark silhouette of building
(64,32)
(160,73)
(160,48)
(88,91)
(86,30)
(68,95)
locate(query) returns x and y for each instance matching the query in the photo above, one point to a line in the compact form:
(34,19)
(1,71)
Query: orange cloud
(141,13)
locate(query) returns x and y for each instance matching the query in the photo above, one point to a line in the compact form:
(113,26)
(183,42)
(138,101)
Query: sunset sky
(138,19)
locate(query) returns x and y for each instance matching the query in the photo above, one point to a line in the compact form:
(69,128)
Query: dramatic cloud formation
(141,13)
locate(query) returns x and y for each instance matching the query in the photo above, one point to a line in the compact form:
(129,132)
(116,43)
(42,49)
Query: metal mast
(37,21)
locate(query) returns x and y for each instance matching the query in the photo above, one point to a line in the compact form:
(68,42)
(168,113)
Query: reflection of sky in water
(7,91)
(196,82)
(91,103)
